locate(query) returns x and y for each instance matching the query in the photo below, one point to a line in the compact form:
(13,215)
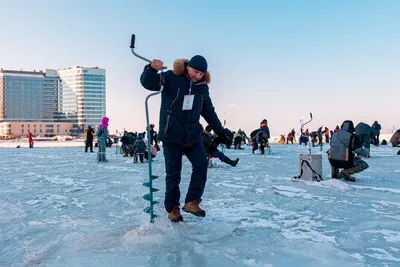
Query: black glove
(224,138)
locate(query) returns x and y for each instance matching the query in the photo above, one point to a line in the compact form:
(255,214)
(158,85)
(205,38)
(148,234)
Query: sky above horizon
(278,60)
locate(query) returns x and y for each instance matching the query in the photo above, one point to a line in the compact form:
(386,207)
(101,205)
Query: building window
(22,131)
(49,128)
(34,131)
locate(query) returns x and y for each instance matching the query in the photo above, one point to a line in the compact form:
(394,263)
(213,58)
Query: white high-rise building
(82,99)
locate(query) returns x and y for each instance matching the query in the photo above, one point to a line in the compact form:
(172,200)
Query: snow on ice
(58,207)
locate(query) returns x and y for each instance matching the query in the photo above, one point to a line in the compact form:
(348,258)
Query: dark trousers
(327,139)
(376,140)
(89,144)
(139,156)
(173,165)
(262,146)
(218,154)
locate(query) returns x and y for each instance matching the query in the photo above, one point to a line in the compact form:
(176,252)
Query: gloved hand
(224,138)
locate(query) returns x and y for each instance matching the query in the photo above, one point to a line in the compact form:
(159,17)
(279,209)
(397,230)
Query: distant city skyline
(51,102)
(273,60)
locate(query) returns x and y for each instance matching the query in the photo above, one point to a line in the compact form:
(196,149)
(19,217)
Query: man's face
(194,74)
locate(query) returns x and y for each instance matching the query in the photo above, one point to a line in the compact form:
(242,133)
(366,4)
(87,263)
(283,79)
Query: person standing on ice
(30,140)
(102,136)
(184,99)
(377,130)
(344,145)
(89,132)
(264,128)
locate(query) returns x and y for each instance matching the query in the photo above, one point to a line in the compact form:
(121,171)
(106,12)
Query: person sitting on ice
(363,131)
(313,136)
(293,133)
(344,146)
(260,141)
(282,140)
(244,137)
(237,139)
(395,139)
(303,138)
(290,137)
(153,152)
(211,147)
(127,140)
(139,149)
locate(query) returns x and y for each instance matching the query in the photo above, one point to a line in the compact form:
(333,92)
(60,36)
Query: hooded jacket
(344,144)
(395,139)
(176,125)
(139,146)
(363,129)
(103,129)
(264,128)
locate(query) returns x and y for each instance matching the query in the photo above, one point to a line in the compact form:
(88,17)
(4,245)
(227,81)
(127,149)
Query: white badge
(188,102)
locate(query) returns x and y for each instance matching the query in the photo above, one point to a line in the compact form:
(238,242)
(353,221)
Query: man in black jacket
(184,99)
(344,145)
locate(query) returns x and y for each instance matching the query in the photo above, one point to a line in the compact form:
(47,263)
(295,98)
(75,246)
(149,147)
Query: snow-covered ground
(58,207)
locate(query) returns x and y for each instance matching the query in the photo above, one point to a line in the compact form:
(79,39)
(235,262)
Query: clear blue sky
(277,60)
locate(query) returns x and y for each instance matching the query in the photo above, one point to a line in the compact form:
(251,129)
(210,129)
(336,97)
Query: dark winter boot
(347,176)
(230,162)
(194,208)
(175,214)
(334,172)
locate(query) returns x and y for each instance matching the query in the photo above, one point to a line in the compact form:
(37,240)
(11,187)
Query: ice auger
(149,197)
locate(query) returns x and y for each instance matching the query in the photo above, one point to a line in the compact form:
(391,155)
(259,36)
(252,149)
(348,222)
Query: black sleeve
(150,79)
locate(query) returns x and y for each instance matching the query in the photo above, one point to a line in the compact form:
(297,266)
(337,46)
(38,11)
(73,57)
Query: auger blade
(148,197)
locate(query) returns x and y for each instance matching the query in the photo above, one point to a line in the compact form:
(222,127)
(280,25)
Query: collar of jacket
(179,69)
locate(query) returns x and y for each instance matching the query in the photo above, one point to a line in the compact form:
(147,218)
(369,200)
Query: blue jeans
(173,166)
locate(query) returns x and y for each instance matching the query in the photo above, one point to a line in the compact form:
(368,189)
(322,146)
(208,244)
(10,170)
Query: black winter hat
(349,125)
(199,63)
(208,128)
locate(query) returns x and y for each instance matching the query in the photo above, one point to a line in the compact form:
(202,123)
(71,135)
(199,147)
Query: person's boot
(175,214)
(334,172)
(194,208)
(229,161)
(346,175)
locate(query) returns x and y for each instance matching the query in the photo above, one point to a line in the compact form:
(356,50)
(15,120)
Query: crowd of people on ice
(185,98)
(134,144)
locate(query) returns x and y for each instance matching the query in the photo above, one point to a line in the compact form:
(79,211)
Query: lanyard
(190,88)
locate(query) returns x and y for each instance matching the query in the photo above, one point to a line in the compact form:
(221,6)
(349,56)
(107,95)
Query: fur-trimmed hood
(179,69)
